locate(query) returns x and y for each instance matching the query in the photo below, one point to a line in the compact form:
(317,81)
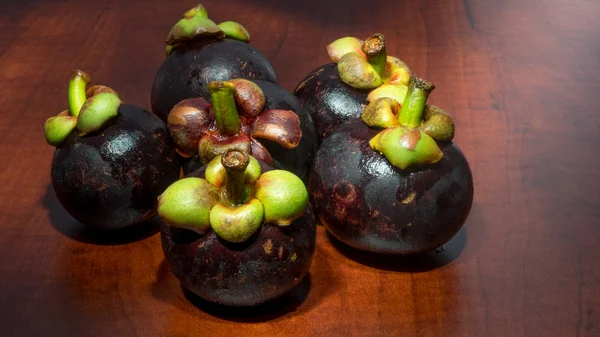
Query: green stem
(413,107)
(77,86)
(235,163)
(374,48)
(226,114)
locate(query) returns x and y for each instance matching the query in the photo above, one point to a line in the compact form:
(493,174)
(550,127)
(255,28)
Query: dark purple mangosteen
(112,160)
(259,117)
(199,52)
(361,72)
(406,189)
(236,232)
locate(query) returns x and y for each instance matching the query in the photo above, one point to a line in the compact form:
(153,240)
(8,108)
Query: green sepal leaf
(96,111)
(283,196)
(381,113)
(404,147)
(397,72)
(357,72)
(237,224)
(217,175)
(438,124)
(394,91)
(235,31)
(343,46)
(198,10)
(194,27)
(58,128)
(187,204)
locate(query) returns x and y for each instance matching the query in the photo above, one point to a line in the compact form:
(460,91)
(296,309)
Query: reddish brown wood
(520,78)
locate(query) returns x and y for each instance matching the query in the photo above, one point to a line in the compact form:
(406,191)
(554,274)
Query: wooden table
(519,77)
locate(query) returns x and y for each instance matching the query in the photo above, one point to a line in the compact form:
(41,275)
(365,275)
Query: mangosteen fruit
(361,72)
(112,160)
(258,117)
(237,232)
(393,181)
(198,52)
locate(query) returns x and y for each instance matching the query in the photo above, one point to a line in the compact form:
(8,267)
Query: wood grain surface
(520,78)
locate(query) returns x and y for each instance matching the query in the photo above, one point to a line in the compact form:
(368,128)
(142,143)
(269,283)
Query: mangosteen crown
(89,109)
(366,65)
(235,119)
(234,199)
(411,130)
(196,26)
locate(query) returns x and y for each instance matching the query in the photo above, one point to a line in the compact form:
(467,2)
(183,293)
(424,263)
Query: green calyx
(393,91)
(343,46)
(217,175)
(405,147)
(366,65)
(187,203)
(195,25)
(381,113)
(438,124)
(357,72)
(235,31)
(410,131)
(57,128)
(89,109)
(283,195)
(96,111)
(234,199)
(199,10)
(237,224)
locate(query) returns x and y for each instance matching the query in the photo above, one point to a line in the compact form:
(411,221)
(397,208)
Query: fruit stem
(374,48)
(411,113)
(235,163)
(77,87)
(226,114)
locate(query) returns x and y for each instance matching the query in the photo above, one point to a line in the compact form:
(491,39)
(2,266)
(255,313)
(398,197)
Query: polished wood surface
(519,77)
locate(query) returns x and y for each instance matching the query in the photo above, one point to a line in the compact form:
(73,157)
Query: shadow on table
(276,308)
(64,223)
(414,264)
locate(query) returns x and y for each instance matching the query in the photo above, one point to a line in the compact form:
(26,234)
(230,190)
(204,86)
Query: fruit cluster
(224,156)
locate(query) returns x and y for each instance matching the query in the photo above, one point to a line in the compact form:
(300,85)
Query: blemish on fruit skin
(268,247)
(280,252)
(345,191)
(410,198)
(293,257)
(202,244)
(409,224)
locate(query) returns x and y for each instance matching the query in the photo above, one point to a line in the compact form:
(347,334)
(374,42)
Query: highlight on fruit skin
(234,199)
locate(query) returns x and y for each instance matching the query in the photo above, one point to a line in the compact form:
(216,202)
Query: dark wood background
(520,78)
